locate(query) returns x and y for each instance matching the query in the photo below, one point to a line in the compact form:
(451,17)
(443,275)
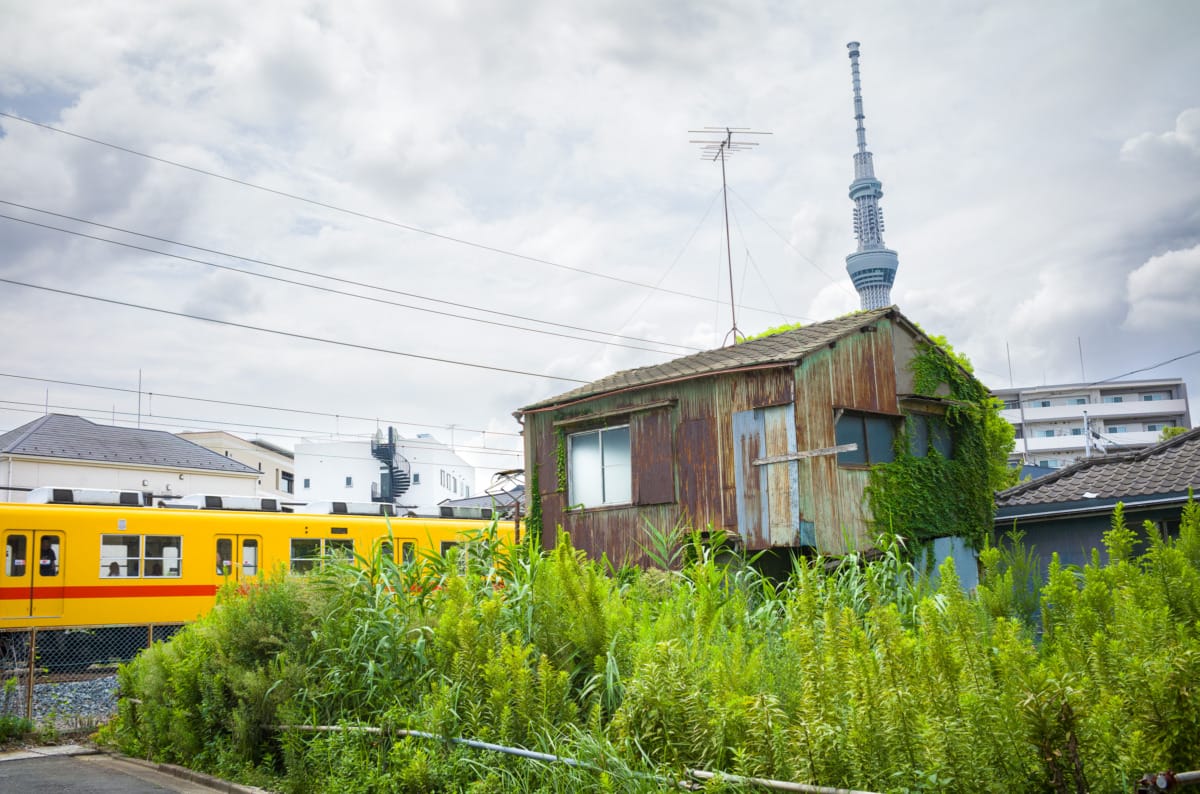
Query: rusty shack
(771,441)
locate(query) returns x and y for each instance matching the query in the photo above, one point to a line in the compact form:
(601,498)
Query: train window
(447,545)
(305,553)
(249,557)
(162,555)
(385,550)
(124,550)
(224,556)
(408,551)
(14,555)
(341,549)
(48,556)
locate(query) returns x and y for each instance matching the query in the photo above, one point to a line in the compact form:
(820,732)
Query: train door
(238,556)
(408,550)
(32,584)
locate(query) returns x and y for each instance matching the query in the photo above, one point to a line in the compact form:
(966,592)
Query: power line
(102,413)
(177,421)
(367,216)
(320,288)
(329,278)
(307,412)
(1144,369)
(838,281)
(306,337)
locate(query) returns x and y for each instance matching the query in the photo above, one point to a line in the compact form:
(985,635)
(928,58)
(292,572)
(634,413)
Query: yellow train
(99,558)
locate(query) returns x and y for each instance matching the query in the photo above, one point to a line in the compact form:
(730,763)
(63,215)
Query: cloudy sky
(431,214)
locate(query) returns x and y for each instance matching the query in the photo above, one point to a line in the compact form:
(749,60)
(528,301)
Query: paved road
(76,770)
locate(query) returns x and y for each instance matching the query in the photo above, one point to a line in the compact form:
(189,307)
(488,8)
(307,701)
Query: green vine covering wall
(932,496)
(560,455)
(533,513)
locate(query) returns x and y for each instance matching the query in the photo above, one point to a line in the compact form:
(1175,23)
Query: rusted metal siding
(699,473)
(686,459)
(652,453)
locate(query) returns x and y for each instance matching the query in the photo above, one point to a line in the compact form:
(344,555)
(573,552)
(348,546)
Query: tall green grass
(851,673)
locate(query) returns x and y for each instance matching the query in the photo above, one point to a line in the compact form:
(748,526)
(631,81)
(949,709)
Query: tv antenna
(720,145)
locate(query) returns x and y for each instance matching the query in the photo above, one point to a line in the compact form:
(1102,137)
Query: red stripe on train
(109,591)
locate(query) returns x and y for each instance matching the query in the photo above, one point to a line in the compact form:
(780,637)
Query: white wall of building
(277,470)
(345,471)
(34,473)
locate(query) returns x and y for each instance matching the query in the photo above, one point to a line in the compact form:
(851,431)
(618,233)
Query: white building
(275,464)
(415,474)
(1122,416)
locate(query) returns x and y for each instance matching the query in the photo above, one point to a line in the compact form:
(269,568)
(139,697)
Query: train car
(99,558)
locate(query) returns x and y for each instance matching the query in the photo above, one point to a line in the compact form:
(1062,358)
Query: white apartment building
(275,464)
(415,474)
(1122,416)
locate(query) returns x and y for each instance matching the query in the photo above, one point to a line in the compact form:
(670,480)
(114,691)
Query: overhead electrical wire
(257,406)
(1146,369)
(840,282)
(316,275)
(314,286)
(368,216)
(162,420)
(289,334)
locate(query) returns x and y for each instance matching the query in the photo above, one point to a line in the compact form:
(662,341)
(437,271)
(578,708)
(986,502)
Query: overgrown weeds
(858,675)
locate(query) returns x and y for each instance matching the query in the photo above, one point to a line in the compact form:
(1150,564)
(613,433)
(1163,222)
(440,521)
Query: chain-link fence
(67,677)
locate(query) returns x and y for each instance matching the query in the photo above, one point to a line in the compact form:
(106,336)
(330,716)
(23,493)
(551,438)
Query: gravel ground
(71,704)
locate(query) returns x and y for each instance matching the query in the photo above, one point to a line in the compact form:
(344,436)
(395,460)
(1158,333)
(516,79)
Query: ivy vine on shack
(932,495)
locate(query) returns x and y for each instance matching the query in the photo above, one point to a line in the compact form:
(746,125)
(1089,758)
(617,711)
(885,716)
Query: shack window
(925,431)
(598,467)
(124,551)
(163,555)
(873,434)
(14,555)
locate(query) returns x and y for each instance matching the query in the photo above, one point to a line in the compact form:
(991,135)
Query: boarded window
(653,458)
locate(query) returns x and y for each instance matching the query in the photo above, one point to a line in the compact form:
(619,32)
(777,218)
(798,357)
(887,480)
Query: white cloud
(1184,140)
(1164,294)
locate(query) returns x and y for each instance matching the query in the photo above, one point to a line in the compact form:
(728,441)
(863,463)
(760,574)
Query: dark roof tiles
(1171,467)
(777,349)
(75,438)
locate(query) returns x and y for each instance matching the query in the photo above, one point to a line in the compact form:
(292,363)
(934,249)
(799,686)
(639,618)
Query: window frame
(622,492)
(865,456)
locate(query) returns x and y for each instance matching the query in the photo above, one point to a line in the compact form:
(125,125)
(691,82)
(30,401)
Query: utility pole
(716,148)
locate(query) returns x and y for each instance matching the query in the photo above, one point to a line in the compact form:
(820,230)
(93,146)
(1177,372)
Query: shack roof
(69,437)
(778,349)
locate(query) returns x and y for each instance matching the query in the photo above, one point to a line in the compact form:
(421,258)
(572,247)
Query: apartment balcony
(1072,446)
(1102,411)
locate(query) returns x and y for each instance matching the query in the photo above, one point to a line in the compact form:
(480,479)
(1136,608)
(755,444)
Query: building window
(1117,399)
(287,482)
(1077,431)
(349,481)
(1079,401)
(307,483)
(927,431)
(1115,429)
(416,478)
(874,435)
(598,466)
(1043,404)
(1153,397)
(1046,433)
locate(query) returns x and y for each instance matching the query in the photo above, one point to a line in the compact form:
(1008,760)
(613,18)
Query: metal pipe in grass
(521,752)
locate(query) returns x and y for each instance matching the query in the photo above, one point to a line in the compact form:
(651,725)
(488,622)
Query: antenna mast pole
(719,148)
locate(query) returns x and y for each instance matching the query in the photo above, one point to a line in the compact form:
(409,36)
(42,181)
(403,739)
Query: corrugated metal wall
(695,428)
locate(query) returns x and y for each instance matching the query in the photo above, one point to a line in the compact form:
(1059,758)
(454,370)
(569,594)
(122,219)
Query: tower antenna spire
(873,266)
(721,147)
